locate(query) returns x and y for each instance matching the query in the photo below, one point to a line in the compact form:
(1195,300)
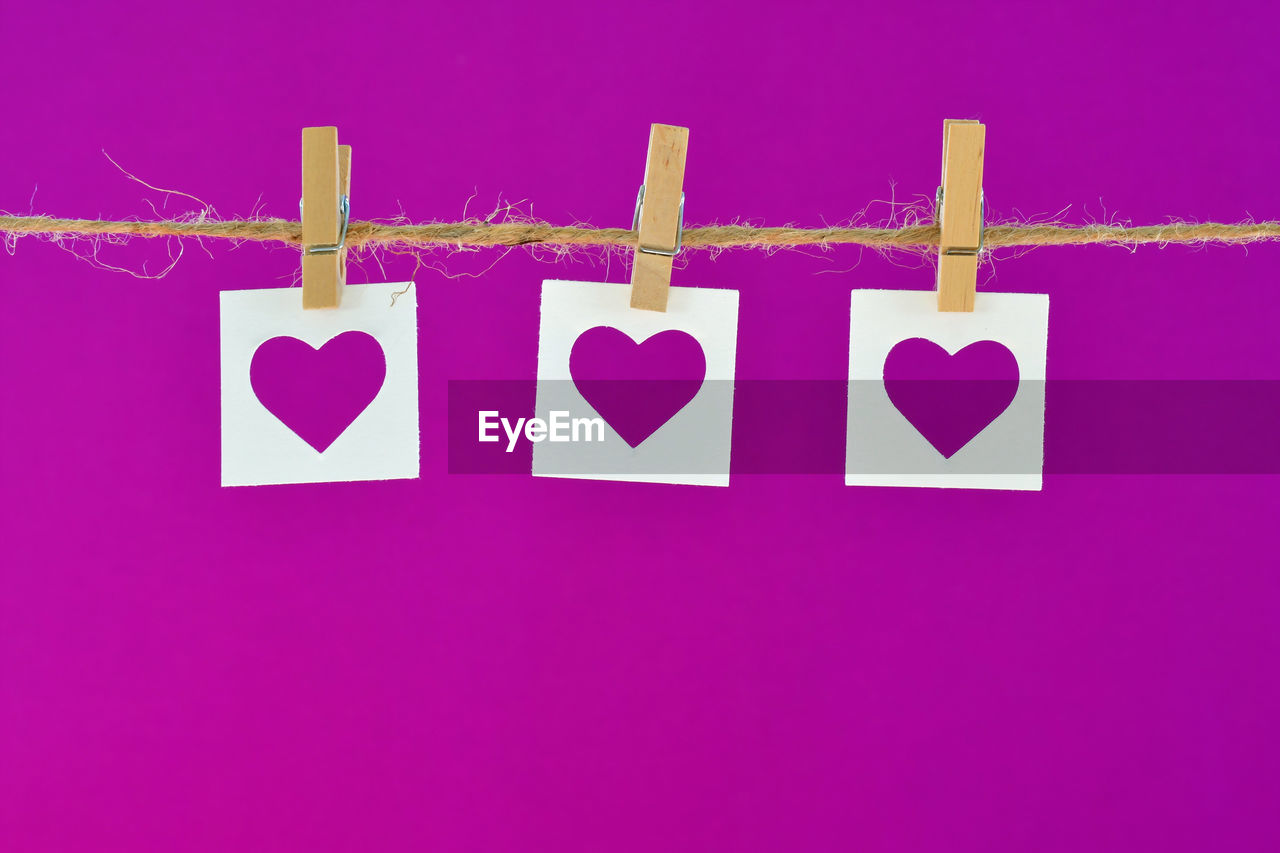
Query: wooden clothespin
(659,219)
(326,211)
(960,213)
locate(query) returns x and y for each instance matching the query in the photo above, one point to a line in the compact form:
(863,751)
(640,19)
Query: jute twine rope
(720,236)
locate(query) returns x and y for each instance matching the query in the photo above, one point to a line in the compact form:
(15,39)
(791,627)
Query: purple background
(498,663)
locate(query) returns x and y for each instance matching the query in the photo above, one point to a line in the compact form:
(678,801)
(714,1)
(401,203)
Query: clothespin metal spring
(982,235)
(635,226)
(344,210)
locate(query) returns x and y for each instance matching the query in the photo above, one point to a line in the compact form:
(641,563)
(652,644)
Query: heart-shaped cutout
(637,387)
(318,393)
(949,399)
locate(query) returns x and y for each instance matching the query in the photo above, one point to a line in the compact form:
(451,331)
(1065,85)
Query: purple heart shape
(318,393)
(637,387)
(949,399)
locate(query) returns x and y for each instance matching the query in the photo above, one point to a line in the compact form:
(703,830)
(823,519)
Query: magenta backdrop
(497,663)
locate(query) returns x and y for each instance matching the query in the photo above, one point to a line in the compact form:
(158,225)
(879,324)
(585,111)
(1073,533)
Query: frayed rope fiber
(712,236)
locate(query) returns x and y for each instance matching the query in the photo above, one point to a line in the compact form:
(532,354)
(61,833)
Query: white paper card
(693,445)
(309,367)
(885,448)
